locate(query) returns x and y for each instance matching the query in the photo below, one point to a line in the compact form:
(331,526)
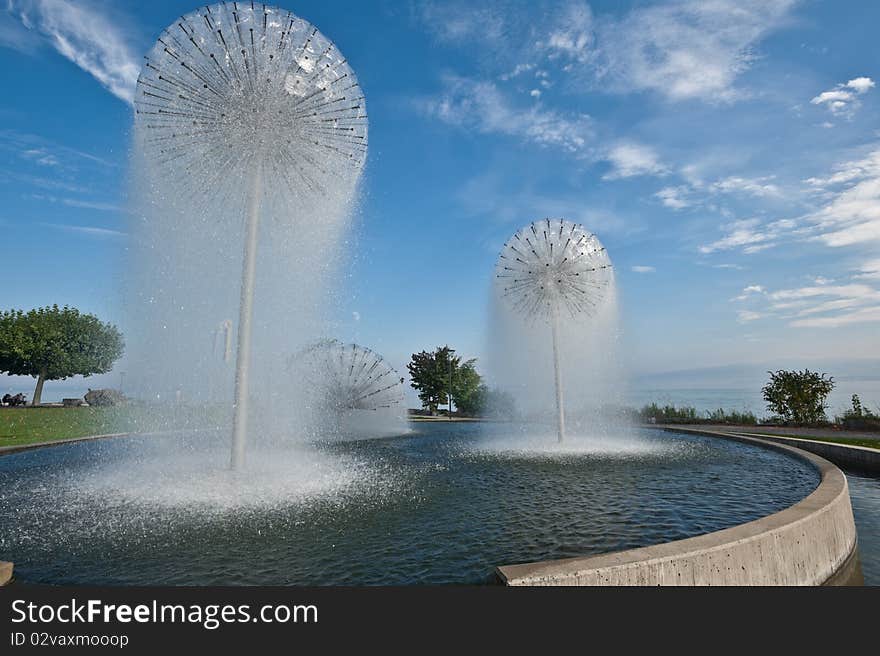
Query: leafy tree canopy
(798,396)
(430,375)
(53,343)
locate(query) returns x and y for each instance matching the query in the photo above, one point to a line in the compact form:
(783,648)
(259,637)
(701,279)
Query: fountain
(552,267)
(250,135)
(351,389)
(251,93)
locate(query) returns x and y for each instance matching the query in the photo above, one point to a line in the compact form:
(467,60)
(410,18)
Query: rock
(5,572)
(104,397)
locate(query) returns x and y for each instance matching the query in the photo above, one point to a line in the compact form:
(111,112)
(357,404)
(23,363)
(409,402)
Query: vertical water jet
(247,92)
(549,267)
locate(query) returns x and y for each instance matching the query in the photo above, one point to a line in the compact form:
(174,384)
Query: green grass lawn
(28,425)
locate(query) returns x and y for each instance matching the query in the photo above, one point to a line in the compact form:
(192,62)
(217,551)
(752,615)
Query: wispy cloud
(629,159)
(675,198)
(680,50)
(820,305)
(686,49)
(571,37)
(91,231)
(745,316)
(747,292)
(91,205)
(852,214)
(869,270)
(34,147)
(15,35)
(480,105)
(86,37)
(751,235)
(641,268)
(461,21)
(40,156)
(697,192)
(862,315)
(843,99)
(760,187)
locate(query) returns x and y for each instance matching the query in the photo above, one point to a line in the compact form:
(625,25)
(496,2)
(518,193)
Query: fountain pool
(445,503)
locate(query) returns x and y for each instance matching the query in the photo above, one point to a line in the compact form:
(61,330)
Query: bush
(798,396)
(858,417)
(670,414)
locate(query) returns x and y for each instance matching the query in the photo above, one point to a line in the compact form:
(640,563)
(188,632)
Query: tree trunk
(38,391)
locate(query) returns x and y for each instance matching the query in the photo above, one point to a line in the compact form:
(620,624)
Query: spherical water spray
(554,267)
(243,98)
(345,377)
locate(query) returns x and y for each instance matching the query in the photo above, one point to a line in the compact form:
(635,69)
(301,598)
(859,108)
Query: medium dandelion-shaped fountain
(243,98)
(548,268)
(348,377)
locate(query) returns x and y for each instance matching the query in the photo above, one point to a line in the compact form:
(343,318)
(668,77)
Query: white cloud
(674,197)
(819,305)
(481,106)
(852,214)
(861,84)
(461,21)
(846,291)
(697,192)
(572,35)
(629,159)
(749,234)
(842,100)
(745,316)
(640,268)
(869,270)
(41,156)
(747,292)
(686,49)
(862,315)
(91,231)
(92,205)
(680,50)
(518,70)
(753,186)
(84,36)
(15,35)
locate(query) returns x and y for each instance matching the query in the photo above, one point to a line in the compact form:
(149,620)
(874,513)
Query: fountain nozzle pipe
(245,317)
(560,406)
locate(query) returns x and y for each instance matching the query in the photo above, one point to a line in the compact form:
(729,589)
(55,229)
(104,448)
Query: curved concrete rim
(812,542)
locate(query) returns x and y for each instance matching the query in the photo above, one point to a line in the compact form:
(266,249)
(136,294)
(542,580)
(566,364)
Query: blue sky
(726,152)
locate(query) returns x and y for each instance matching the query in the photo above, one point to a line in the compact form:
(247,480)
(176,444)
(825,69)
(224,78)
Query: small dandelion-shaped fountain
(348,376)
(549,268)
(243,99)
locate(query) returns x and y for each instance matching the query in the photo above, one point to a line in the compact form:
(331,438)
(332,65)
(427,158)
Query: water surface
(445,504)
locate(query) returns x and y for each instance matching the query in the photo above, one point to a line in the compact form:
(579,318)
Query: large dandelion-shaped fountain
(346,377)
(240,98)
(550,267)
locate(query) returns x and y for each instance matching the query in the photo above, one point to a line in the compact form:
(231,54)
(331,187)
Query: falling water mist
(264,127)
(521,357)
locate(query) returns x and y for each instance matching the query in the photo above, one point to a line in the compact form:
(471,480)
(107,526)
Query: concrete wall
(811,543)
(858,457)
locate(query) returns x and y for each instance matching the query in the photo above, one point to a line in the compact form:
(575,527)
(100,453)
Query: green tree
(798,396)
(53,343)
(430,377)
(486,402)
(466,383)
